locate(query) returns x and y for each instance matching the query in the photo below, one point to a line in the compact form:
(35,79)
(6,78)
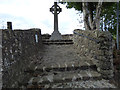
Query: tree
(110,18)
(91,12)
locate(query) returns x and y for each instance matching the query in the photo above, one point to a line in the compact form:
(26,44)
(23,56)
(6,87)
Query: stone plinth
(56,36)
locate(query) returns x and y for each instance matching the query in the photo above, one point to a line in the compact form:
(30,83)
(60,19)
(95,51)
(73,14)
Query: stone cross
(55,9)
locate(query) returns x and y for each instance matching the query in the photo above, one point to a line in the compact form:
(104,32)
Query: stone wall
(0,59)
(67,36)
(18,48)
(98,46)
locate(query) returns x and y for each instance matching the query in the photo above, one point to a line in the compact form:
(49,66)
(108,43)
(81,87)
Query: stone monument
(55,9)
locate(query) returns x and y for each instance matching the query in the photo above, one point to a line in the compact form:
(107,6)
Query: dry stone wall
(18,48)
(97,45)
(67,36)
(0,59)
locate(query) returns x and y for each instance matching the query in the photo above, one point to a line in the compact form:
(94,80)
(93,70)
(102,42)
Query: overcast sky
(26,14)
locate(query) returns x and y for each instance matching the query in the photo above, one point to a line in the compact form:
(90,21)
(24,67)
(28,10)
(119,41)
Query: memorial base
(56,36)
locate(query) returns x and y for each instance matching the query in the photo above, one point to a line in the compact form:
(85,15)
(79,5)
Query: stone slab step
(66,66)
(57,42)
(58,77)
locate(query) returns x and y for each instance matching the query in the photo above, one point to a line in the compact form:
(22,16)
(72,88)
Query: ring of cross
(53,9)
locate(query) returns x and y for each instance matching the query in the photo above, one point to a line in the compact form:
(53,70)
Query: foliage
(108,14)
(110,18)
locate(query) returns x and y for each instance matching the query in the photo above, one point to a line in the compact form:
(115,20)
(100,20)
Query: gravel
(83,84)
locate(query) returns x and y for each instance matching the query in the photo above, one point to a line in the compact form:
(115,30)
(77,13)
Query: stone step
(58,77)
(67,66)
(57,42)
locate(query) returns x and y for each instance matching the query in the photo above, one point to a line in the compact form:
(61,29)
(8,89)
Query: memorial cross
(55,9)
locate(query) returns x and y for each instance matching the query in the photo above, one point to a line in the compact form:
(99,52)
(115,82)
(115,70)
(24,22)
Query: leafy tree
(92,12)
(110,18)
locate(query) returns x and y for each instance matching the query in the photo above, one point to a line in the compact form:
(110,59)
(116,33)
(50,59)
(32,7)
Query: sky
(26,14)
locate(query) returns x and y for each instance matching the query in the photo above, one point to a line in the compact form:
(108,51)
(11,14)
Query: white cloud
(36,14)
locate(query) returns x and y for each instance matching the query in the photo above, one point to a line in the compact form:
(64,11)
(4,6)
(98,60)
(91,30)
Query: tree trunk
(89,22)
(86,15)
(98,12)
(91,17)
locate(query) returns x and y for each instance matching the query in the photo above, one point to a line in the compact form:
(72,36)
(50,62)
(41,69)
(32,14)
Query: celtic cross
(55,9)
